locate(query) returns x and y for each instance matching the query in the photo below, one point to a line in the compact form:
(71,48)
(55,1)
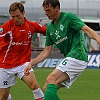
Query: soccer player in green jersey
(65,32)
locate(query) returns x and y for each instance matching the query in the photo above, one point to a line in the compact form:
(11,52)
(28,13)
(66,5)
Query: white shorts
(8,76)
(73,68)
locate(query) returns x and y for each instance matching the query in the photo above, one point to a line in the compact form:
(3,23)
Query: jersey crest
(1,30)
(61,27)
(29,34)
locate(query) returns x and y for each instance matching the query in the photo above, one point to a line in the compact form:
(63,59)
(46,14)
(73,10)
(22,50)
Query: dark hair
(52,3)
(16,5)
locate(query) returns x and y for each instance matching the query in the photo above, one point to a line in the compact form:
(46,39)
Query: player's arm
(91,33)
(42,56)
(39,28)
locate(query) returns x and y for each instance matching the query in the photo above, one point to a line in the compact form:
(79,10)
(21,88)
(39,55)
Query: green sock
(57,98)
(51,92)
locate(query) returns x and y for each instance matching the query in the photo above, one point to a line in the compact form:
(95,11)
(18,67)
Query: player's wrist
(31,64)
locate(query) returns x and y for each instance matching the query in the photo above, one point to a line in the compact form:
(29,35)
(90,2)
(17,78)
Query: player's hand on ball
(26,70)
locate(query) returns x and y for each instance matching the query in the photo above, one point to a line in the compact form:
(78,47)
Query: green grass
(86,87)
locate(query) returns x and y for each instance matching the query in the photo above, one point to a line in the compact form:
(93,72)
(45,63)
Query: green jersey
(66,35)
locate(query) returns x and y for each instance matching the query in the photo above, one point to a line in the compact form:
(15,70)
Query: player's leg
(47,93)
(52,83)
(31,81)
(7,79)
(65,73)
(4,93)
(52,80)
(59,86)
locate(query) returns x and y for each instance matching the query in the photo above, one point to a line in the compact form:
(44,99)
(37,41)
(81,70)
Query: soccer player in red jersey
(15,51)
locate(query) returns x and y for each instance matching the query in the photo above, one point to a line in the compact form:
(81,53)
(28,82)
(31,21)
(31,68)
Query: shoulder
(66,13)
(71,15)
(31,22)
(9,24)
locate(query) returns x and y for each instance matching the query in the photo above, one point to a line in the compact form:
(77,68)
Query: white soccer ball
(9,97)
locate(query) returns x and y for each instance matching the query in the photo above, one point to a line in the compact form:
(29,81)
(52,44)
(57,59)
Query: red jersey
(15,42)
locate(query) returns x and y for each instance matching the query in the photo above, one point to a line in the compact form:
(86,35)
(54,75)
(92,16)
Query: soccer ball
(9,97)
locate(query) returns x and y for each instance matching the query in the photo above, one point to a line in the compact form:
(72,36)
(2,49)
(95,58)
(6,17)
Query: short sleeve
(76,22)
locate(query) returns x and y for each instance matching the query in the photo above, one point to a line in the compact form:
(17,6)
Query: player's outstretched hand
(26,70)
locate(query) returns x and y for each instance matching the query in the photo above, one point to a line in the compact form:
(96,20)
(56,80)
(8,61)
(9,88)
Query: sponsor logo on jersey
(20,43)
(1,30)
(61,40)
(58,38)
(57,34)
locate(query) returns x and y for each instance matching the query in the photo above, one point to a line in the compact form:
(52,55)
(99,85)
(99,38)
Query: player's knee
(3,97)
(4,94)
(44,88)
(50,80)
(34,86)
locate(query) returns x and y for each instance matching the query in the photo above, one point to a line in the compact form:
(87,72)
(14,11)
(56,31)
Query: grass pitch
(86,87)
